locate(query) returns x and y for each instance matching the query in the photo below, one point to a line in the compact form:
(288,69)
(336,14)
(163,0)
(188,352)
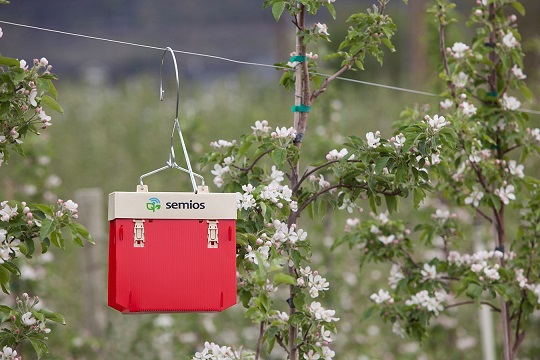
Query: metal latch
(212,234)
(138,233)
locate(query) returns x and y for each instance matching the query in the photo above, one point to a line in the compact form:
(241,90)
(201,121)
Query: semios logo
(153,205)
(187,205)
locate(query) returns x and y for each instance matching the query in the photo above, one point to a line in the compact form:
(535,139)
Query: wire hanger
(171,162)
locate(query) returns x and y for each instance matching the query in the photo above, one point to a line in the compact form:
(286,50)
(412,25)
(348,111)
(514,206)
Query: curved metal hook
(161,91)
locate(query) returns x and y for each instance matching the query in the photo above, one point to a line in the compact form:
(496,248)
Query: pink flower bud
(30,215)
(30,222)
(13,318)
(25,296)
(43,62)
(36,61)
(259,241)
(478,12)
(16,331)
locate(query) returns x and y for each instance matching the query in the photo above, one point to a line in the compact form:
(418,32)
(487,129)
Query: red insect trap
(172,251)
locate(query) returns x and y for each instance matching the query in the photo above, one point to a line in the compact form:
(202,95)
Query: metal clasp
(212,234)
(138,233)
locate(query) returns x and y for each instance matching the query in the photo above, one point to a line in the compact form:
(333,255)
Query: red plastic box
(172,251)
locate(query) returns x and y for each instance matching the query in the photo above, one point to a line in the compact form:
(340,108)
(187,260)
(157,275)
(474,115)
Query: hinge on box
(138,233)
(212,234)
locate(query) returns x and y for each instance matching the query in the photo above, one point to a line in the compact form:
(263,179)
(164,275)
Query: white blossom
(386,240)
(32,97)
(28,319)
(396,275)
(516,169)
(22,65)
(261,127)
(429,272)
(432,304)
(220,144)
(506,193)
(461,80)
(436,123)
(518,73)
(348,205)
(381,297)
(459,50)
(284,133)
(468,108)
(321,313)
(8,353)
(336,155)
(510,102)
(322,28)
(372,139)
(474,197)
(399,141)
(213,351)
(398,329)
(509,40)
(446,104)
(277,176)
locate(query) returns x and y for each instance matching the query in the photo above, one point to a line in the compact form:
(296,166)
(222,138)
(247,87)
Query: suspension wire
(222,58)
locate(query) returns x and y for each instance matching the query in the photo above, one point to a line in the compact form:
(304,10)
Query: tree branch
(484,215)
(469,302)
(248,169)
(279,340)
(259,341)
(442,49)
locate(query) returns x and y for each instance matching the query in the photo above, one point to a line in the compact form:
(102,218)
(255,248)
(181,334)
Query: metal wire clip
(171,162)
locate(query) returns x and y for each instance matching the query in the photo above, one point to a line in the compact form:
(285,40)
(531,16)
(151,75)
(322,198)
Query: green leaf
(53,316)
(82,232)
(45,209)
(380,164)
(418,196)
(57,240)
(12,268)
(474,291)
(9,61)
(277,10)
(39,346)
(52,89)
(4,279)
(391,203)
(279,156)
(50,102)
(518,7)
(388,44)
(526,92)
(282,278)
(47,227)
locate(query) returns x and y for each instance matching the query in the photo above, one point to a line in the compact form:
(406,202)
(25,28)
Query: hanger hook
(161,91)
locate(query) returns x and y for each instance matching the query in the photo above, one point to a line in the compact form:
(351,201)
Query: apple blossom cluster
(30,323)
(422,299)
(382,297)
(322,314)
(436,123)
(68,207)
(483,263)
(336,155)
(274,192)
(214,351)
(261,128)
(283,237)
(8,353)
(396,275)
(510,103)
(222,144)
(313,281)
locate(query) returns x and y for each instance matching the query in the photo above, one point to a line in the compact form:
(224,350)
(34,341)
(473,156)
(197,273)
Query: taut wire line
(228,60)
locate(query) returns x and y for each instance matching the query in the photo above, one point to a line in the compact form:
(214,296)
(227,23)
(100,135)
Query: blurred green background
(115,129)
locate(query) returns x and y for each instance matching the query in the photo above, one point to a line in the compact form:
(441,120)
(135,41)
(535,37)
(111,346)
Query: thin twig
(484,215)
(469,302)
(279,340)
